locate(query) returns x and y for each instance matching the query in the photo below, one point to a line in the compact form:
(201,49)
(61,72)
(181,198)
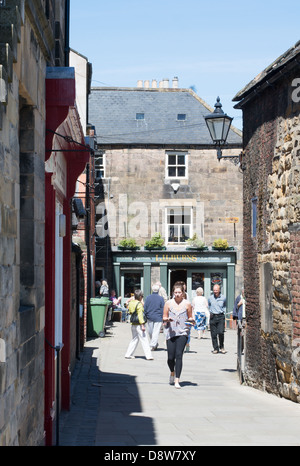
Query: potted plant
(221,244)
(195,243)
(156,242)
(128,243)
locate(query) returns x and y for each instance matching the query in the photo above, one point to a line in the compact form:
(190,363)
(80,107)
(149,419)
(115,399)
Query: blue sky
(217,47)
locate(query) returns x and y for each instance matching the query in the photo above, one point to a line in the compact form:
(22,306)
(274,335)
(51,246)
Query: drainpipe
(67,33)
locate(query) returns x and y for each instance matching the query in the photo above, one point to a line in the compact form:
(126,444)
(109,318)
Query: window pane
(185,233)
(216,279)
(181,116)
(181,171)
(197,280)
(173,234)
(172,159)
(140,116)
(181,159)
(172,171)
(132,282)
(186,215)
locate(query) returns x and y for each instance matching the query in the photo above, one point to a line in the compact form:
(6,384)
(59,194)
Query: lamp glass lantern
(218,124)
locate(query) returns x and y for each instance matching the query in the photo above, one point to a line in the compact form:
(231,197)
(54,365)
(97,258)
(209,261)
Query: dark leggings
(175,347)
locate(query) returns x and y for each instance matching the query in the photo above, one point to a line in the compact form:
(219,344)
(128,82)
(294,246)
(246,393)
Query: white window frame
(176,153)
(178,225)
(98,154)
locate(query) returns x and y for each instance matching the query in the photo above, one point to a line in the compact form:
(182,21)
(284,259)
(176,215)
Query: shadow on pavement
(121,418)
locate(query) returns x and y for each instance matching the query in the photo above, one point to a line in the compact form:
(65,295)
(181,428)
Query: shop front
(140,269)
(65,160)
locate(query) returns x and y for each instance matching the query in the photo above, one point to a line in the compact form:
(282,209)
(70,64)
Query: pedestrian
(185,296)
(177,311)
(138,330)
(239,307)
(239,314)
(97,287)
(104,289)
(200,310)
(116,304)
(162,292)
(154,308)
(217,308)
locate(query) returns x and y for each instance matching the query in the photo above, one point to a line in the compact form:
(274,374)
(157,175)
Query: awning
(66,152)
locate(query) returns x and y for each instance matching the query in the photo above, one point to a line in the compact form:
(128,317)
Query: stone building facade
(31,37)
(159,173)
(271,131)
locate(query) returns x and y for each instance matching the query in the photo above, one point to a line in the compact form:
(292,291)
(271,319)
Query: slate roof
(113,113)
(269,75)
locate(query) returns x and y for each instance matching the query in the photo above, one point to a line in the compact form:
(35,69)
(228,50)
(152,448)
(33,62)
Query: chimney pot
(166,83)
(175,82)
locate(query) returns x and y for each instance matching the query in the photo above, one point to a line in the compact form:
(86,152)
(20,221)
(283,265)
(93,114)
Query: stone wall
(23,55)
(136,192)
(271,265)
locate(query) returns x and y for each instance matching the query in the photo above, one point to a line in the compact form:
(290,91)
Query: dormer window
(140,116)
(181,116)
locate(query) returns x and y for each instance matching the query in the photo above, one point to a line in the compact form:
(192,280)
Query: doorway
(178,275)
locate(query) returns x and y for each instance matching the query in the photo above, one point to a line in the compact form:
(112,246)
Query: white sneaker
(172,379)
(177,385)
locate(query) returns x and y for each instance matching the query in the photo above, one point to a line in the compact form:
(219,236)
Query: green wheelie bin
(97,316)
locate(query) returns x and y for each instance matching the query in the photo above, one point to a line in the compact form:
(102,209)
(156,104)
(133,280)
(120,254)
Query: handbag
(134,319)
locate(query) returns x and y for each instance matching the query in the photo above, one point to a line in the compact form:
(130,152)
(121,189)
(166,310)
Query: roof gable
(113,111)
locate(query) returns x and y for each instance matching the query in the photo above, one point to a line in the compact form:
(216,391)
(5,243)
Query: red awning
(64,133)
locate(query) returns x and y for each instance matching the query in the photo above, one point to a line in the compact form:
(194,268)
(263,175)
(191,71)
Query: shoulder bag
(134,318)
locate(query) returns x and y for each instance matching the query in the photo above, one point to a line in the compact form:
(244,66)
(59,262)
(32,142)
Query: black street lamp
(218,124)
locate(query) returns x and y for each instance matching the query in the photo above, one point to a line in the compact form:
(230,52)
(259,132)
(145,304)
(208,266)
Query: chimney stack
(163,84)
(175,82)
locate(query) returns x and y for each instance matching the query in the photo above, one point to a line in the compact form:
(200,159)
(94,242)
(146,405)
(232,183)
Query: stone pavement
(121,402)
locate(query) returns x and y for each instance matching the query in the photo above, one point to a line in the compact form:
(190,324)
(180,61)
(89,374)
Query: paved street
(120,402)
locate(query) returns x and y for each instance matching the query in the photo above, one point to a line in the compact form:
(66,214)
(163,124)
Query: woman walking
(138,330)
(177,312)
(200,309)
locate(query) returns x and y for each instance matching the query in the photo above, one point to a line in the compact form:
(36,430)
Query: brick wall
(271,135)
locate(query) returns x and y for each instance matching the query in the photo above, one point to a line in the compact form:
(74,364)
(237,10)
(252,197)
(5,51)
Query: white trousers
(154,331)
(138,335)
